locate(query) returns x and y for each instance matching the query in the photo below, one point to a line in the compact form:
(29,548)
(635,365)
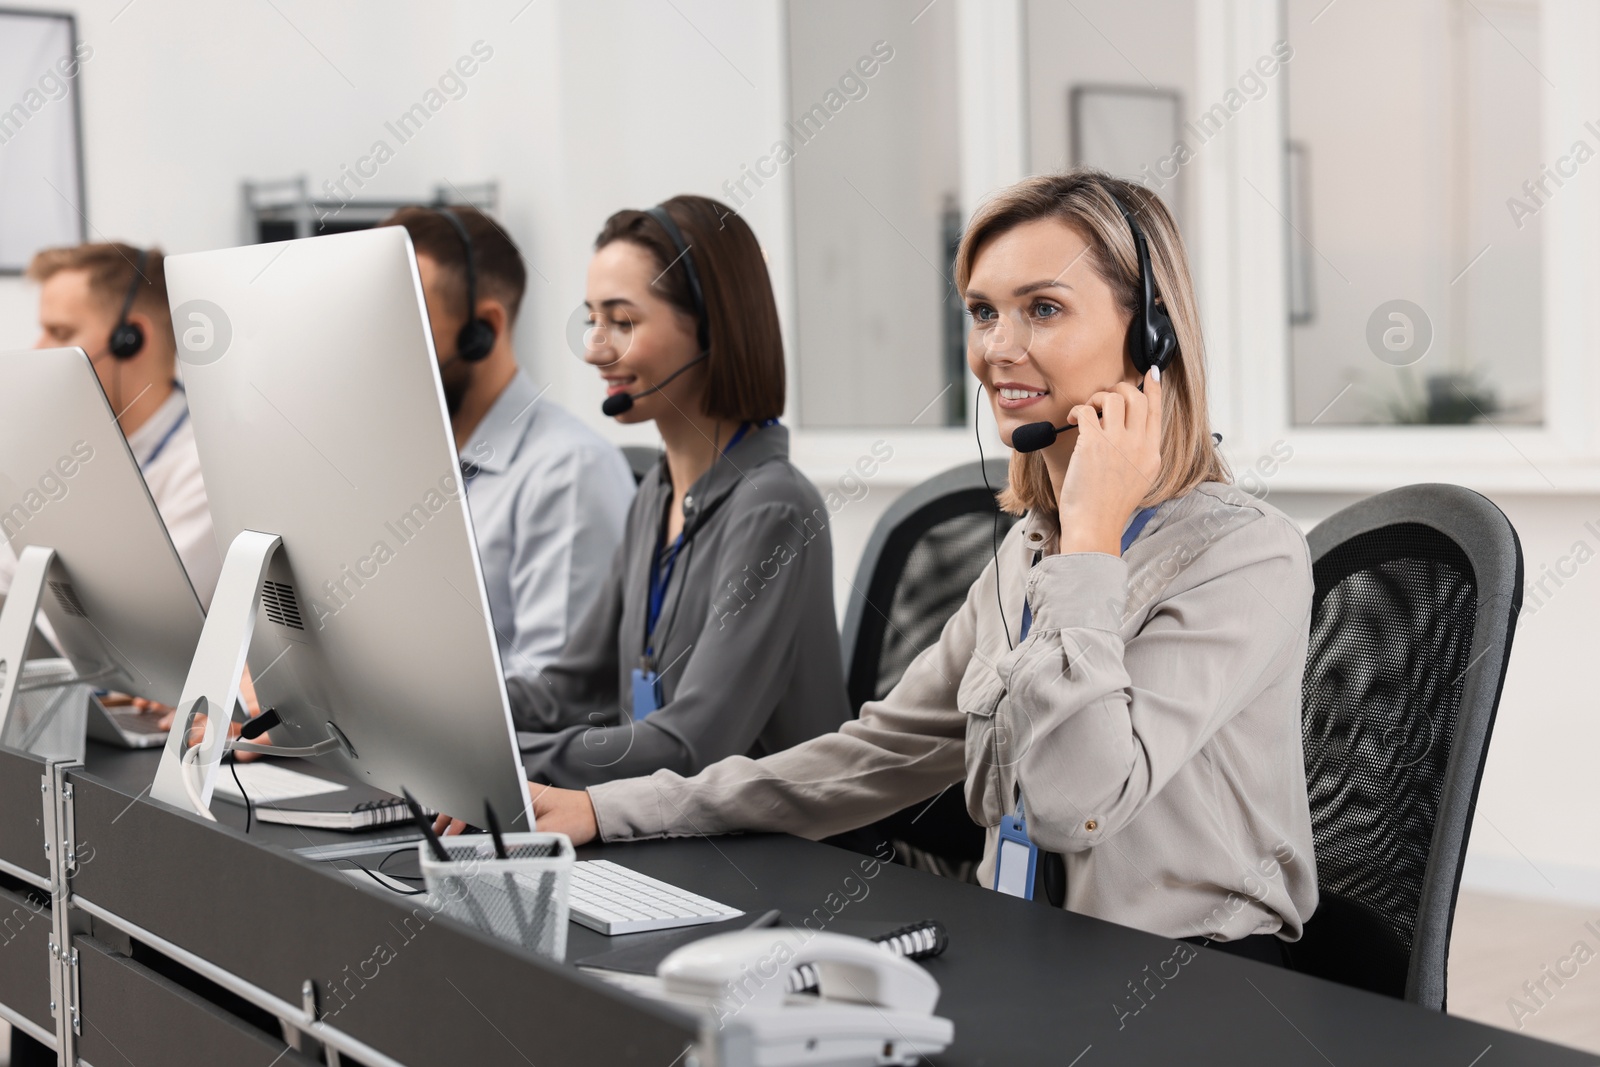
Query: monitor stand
(38,567)
(213,682)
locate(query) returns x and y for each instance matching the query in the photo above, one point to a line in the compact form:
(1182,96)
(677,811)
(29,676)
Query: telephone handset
(871,1006)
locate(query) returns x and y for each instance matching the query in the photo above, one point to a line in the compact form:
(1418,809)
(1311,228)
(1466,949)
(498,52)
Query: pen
(512,894)
(494,831)
(766,919)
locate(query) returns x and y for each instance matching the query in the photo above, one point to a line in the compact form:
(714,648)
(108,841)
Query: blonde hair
(1082,198)
(111,268)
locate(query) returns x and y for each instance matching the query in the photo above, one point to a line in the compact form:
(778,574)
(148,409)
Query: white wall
(588,107)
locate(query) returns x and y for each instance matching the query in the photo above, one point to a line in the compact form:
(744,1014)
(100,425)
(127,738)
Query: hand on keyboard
(559,811)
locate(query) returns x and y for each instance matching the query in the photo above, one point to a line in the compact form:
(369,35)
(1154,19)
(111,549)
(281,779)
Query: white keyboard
(614,900)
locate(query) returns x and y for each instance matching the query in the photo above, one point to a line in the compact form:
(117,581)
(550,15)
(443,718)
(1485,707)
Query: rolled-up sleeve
(1100,726)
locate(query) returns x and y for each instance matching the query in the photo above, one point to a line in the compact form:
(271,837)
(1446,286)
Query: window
(872,140)
(1414,182)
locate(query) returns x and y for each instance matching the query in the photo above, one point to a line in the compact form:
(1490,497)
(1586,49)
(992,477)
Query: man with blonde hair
(111,301)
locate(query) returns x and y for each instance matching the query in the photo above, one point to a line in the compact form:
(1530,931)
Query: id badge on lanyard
(646,683)
(1016,861)
(646,692)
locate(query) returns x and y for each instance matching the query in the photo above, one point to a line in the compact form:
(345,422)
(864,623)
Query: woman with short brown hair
(715,635)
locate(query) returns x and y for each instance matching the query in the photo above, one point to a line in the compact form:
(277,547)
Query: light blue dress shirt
(548,497)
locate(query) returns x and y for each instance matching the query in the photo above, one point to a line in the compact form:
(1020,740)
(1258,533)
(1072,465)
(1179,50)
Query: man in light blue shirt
(548,495)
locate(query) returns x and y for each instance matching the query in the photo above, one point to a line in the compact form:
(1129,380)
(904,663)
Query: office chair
(923,556)
(1416,602)
(641,460)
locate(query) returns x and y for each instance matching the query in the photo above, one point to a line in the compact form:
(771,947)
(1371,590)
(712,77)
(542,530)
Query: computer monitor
(118,601)
(320,420)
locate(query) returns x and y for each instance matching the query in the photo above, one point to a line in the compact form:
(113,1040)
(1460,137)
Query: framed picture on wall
(1302,284)
(41,143)
(1132,132)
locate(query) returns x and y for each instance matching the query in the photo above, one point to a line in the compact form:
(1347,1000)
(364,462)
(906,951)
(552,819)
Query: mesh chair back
(1417,592)
(923,556)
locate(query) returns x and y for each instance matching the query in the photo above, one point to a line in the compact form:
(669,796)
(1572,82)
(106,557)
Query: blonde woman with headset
(1120,692)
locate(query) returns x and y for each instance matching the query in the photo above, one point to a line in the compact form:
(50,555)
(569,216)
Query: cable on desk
(249,812)
(397,877)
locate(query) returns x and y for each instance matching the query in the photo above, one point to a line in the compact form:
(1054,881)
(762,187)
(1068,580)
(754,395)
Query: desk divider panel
(415,986)
(22,813)
(25,957)
(134,1015)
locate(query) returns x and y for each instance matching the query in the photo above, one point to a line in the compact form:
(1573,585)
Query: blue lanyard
(183,416)
(1129,535)
(661,573)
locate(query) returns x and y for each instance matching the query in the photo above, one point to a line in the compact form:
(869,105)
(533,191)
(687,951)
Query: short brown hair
(501,273)
(746,374)
(1082,198)
(112,268)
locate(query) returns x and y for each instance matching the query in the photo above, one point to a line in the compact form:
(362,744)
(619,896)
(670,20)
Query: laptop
(124,726)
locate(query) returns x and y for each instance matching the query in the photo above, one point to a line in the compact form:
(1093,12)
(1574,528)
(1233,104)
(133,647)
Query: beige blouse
(1151,719)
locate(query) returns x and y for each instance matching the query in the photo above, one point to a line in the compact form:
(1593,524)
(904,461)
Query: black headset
(620,403)
(1152,342)
(476,338)
(127,338)
(659,213)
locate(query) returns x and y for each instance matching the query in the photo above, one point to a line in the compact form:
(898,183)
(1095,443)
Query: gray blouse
(1152,717)
(747,648)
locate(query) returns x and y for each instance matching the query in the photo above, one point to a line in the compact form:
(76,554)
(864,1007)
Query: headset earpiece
(622,403)
(476,339)
(127,338)
(1152,342)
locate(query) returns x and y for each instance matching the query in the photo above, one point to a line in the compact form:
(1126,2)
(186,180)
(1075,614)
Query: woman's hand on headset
(1114,465)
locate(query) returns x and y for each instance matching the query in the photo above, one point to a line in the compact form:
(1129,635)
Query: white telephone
(871,1008)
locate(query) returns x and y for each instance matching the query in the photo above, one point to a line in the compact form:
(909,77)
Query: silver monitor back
(319,417)
(125,614)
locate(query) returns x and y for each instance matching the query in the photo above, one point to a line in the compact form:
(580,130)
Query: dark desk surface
(1025,983)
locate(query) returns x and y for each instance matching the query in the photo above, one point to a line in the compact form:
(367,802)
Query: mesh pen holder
(521,899)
